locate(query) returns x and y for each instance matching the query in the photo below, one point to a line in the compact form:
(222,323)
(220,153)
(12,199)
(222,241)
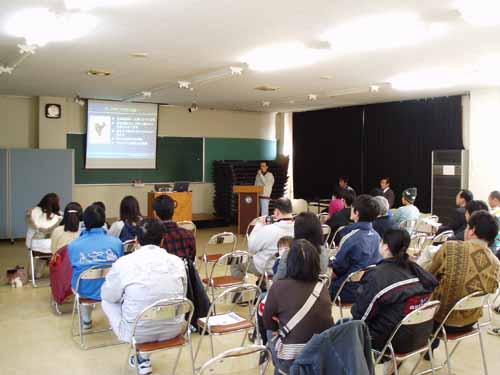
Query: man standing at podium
(266,179)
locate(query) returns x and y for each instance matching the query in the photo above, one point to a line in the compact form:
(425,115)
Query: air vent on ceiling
(99,72)
(267,88)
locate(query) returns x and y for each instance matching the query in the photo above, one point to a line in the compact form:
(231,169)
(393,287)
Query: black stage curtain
(400,138)
(326,145)
(367,142)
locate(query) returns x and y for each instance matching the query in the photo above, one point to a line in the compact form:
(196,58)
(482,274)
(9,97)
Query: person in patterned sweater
(177,241)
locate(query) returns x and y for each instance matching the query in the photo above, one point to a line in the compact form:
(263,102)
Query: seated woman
(306,226)
(336,204)
(41,221)
(69,228)
(392,290)
(286,297)
(139,280)
(130,216)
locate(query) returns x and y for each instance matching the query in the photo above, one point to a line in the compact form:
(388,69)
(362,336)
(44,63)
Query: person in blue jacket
(358,249)
(93,247)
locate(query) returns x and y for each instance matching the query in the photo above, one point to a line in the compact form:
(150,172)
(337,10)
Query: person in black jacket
(458,222)
(387,192)
(405,286)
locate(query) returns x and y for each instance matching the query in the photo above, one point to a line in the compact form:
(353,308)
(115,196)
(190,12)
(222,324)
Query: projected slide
(121,135)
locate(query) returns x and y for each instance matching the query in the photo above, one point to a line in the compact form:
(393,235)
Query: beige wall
(18,122)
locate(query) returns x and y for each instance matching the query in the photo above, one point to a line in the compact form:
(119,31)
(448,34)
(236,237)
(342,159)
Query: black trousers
(451,329)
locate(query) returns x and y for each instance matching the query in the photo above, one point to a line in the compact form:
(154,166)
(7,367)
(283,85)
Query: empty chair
(245,357)
(129,246)
(217,241)
(164,310)
(423,316)
(323,217)
(189,225)
(443,237)
(325,230)
(409,225)
(250,227)
(229,321)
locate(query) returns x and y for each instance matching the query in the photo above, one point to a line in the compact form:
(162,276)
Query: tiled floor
(36,341)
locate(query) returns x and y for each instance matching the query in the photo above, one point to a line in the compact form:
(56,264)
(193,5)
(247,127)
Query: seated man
(138,280)
(343,217)
(408,211)
(263,241)
(384,221)
(458,222)
(93,247)
(177,241)
(359,247)
(464,267)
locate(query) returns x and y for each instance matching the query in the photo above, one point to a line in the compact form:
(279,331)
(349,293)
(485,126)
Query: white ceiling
(186,38)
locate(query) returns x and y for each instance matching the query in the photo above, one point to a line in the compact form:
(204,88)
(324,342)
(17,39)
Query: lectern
(184,204)
(248,205)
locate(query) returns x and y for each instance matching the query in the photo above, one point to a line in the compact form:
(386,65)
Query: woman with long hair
(130,216)
(69,228)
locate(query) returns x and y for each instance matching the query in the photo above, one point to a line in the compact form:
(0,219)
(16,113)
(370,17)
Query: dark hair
(344,178)
(285,241)
(94,217)
(336,192)
(485,226)
(284,205)
(348,197)
(475,205)
(387,179)
(164,207)
(376,192)
(303,261)
(398,241)
(150,232)
(495,195)
(367,208)
(264,161)
(307,226)
(100,204)
(50,204)
(129,210)
(466,195)
(72,217)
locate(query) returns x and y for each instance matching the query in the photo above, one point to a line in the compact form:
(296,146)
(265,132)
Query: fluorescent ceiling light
(437,78)
(480,12)
(39,26)
(282,56)
(384,31)
(92,4)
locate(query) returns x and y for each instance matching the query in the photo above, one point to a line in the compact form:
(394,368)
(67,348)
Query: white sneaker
(145,367)
(494,331)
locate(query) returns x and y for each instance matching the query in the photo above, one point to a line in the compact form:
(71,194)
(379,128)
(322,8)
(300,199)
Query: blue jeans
(279,364)
(264,207)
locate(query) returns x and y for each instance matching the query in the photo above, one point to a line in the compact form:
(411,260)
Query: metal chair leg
(190,343)
(177,360)
(483,354)
(431,357)
(33,275)
(448,361)
(136,362)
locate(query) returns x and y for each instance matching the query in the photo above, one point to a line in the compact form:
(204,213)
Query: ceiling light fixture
(147,94)
(236,70)
(39,26)
(99,72)
(374,88)
(183,84)
(437,78)
(282,56)
(140,55)
(92,4)
(479,12)
(312,97)
(383,31)
(266,104)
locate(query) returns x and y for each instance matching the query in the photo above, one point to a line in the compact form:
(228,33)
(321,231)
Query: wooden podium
(248,205)
(184,207)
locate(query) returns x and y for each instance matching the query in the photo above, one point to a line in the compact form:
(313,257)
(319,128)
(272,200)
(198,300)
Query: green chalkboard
(237,149)
(178,159)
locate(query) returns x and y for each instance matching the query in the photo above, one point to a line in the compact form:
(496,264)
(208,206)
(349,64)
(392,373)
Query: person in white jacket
(266,179)
(139,280)
(263,241)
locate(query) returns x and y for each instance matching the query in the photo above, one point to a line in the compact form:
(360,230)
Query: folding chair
(227,260)
(93,273)
(230,322)
(409,225)
(217,240)
(129,247)
(443,237)
(325,230)
(419,242)
(354,277)
(424,314)
(250,227)
(267,275)
(35,255)
(189,225)
(226,362)
(473,301)
(164,310)
(323,217)
(332,246)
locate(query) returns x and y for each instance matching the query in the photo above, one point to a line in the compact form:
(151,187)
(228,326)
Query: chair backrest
(129,246)
(474,300)
(334,237)
(250,227)
(223,238)
(231,297)
(354,277)
(96,272)
(418,242)
(245,358)
(233,258)
(323,217)
(444,236)
(325,230)
(189,225)
(409,225)
(167,309)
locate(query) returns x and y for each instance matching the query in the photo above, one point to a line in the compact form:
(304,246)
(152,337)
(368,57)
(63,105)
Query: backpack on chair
(129,232)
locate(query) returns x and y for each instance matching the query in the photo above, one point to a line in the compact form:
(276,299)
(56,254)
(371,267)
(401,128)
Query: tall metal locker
(450,173)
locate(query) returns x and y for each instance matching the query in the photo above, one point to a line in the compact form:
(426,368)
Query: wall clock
(53,110)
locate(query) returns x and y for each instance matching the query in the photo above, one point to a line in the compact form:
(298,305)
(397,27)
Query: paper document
(448,170)
(223,319)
